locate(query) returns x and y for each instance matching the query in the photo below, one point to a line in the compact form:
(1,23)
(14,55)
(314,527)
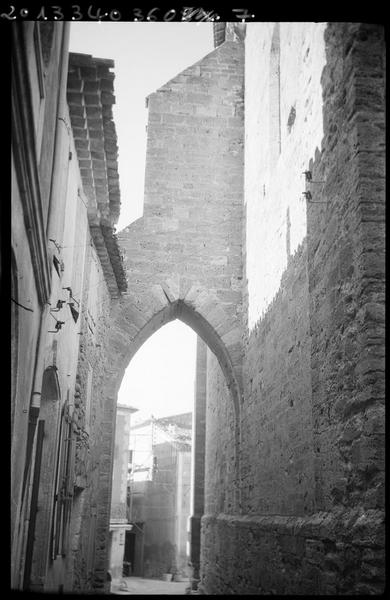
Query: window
(64,485)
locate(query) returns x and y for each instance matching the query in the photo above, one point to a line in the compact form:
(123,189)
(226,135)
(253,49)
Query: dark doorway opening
(129,555)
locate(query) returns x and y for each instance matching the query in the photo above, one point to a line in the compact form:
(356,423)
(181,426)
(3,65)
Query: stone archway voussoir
(196,296)
(232,336)
(158,298)
(235,353)
(216,316)
(133,314)
(171,287)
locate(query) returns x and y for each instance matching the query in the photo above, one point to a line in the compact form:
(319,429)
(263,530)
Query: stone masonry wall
(95,437)
(277,448)
(290,57)
(183,260)
(187,246)
(282,133)
(312,438)
(220,474)
(184,255)
(346,274)
(198,458)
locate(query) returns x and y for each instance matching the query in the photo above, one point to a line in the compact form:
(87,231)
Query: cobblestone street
(141,586)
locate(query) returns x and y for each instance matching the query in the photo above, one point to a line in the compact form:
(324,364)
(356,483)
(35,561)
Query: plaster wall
(60,349)
(117,548)
(35,83)
(26,327)
(64,256)
(183,503)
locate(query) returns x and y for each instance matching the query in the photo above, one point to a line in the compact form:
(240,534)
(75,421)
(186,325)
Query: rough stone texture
(312,418)
(288,294)
(346,275)
(340,553)
(198,459)
(221,475)
(277,448)
(184,255)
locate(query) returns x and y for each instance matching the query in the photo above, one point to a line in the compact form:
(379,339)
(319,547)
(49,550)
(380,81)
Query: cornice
(90,100)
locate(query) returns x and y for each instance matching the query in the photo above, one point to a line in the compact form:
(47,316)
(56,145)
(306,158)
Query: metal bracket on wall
(308,197)
(309,177)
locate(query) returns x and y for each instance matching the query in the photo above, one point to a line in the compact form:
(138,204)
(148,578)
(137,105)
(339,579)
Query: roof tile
(90,99)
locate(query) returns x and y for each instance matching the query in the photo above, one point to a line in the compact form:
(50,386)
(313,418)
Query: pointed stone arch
(136,319)
(131,337)
(184,256)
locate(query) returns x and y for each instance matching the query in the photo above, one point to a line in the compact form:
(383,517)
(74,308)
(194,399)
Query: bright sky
(160,378)
(146,56)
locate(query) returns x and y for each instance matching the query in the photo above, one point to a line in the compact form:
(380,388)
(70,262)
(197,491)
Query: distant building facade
(119,518)
(66,273)
(160,496)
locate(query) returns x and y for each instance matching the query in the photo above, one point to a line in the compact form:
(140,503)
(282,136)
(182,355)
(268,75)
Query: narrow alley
(262,230)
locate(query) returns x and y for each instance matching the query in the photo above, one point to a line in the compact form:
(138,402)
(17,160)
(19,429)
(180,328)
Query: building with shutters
(66,271)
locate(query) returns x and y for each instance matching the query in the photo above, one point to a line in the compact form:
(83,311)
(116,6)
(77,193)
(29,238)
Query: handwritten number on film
(138,14)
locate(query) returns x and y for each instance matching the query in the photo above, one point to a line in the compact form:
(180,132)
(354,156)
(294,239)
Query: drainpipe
(35,401)
(33,507)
